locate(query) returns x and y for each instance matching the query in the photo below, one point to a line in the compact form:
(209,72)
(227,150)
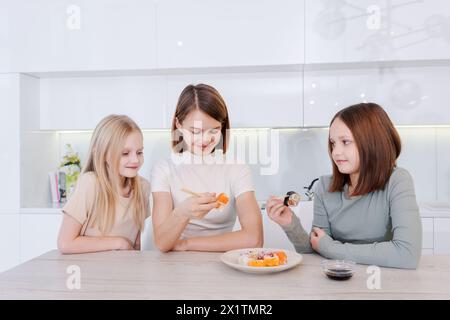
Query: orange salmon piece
(222,200)
(256,263)
(282,256)
(271,261)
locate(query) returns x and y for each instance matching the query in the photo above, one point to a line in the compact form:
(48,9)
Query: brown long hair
(107,140)
(207,99)
(378,144)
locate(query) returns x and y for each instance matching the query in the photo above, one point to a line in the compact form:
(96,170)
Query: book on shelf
(54,185)
(57,185)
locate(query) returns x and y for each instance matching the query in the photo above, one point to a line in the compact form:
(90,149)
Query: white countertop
(427,209)
(435,209)
(197,275)
(44,208)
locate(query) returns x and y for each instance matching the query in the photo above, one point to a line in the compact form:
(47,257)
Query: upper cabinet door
(5,38)
(209,33)
(376,30)
(254,100)
(66,35)
(411,96)
(80,103)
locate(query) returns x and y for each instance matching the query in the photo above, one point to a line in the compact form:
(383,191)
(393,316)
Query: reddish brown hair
(378,144)
(206,99)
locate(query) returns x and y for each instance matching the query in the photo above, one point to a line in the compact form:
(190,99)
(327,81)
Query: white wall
(9,142)
(442,164)
(303,156)
(37,148)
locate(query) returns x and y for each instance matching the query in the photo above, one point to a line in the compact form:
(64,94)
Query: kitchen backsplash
(303,156)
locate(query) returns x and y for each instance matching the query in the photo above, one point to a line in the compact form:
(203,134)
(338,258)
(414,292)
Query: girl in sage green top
(366,211)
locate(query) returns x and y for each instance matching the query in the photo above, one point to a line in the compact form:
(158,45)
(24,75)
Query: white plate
(231,258)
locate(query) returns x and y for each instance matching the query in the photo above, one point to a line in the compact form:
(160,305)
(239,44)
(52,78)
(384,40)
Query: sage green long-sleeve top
(381,228)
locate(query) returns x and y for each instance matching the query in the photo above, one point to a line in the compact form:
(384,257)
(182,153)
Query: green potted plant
(71,167)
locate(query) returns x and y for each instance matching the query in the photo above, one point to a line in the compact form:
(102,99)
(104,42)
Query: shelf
(45,208)
(435,209)
(243,69)
(168,71)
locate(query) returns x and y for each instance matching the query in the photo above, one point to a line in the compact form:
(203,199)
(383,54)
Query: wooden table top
(200,275)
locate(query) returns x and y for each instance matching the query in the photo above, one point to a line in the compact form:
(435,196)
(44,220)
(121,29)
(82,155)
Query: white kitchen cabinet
(5,39)
(376,30)
(441,235)
(9,241)
(418,147)
(427,233)
(212,33)
(147,241)
(410,96)
(10,142)
(427,252)
(269,99)
(79,103)
(38,234)
(63,35)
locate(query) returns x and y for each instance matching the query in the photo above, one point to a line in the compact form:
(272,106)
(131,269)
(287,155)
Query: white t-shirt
(203,174)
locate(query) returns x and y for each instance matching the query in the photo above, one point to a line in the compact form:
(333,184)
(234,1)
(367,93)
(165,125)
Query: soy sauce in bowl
(338,269)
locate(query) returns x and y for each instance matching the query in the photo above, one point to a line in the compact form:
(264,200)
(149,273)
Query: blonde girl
(110,203)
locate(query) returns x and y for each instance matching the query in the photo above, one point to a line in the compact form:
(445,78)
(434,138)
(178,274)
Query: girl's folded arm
(404,250)
(70,241)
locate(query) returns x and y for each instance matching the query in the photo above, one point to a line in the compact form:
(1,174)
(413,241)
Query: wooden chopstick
(195,194)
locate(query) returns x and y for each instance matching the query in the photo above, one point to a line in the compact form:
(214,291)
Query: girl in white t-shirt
(199,141)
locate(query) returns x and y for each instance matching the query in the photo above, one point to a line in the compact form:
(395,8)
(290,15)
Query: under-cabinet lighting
(283,129)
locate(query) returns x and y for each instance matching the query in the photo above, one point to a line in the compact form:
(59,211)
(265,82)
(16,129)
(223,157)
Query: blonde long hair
(107,142)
